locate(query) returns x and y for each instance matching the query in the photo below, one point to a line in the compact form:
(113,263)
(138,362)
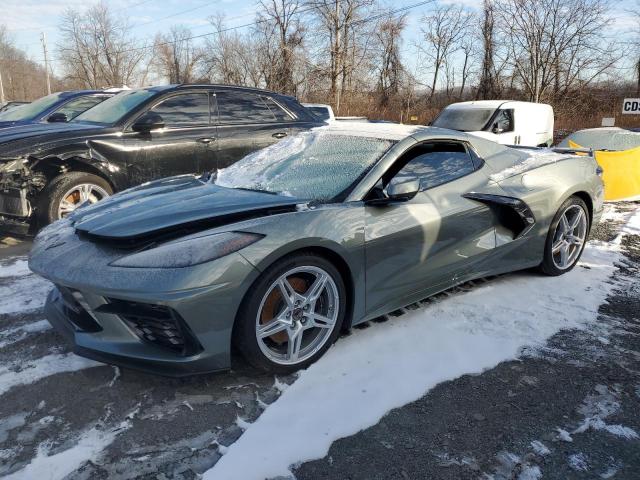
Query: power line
(261,21)
(175,14)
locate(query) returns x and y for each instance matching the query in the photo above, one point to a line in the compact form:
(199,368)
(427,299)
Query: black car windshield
(313,165)
(31,110)
(113,109)
(320,112)
(464,119)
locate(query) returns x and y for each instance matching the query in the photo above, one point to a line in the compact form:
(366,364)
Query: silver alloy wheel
(79,194)
(305,307)
(569,237)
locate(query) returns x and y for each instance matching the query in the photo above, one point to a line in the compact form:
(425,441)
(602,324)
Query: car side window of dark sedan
(278,111)
(189,109)
(437,163)
(79,105)
(240,107)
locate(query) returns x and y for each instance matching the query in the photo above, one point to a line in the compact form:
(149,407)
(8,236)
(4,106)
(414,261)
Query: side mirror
(400,189)
(147,122)
(496,129)
(57,117)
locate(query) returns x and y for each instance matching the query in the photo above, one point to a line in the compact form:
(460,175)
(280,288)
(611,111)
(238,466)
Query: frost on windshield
(315,165)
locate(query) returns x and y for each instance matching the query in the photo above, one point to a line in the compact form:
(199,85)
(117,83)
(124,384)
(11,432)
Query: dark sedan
(47,170)
(57,107)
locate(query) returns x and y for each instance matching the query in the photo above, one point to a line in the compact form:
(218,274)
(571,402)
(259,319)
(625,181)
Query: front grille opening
(155,324)
(77,314)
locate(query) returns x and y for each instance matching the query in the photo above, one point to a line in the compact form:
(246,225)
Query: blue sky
(26,19)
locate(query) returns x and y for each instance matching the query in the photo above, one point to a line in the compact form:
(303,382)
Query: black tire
(52,194)
(548,266)
(244,335)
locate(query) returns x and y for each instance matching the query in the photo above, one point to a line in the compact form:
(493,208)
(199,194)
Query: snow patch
(58,465)
(540,448)
(26,293)
(35,370)
(578,462)
(17,268)
(596,408)
(351,388)
(15,334)
(564,435)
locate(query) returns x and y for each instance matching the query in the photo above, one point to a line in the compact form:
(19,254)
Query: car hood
(37,133)
(173,205)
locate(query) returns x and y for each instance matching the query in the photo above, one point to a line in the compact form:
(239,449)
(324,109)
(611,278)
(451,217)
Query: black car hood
(44,132)
(173,204)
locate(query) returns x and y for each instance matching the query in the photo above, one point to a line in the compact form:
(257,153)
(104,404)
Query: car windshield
(113,109)
(320,112)
(464,119)
(30,110)
(312,165)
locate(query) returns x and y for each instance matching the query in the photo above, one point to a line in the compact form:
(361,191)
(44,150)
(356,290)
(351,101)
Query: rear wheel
(566,238)
(293,315)
(67,192)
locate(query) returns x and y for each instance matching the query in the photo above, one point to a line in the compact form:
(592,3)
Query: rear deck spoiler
(568,151)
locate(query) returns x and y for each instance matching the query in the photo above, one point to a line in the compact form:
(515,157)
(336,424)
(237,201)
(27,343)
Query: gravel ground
(565,411)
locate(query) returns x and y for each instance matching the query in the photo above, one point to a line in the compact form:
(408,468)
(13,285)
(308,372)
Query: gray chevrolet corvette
(282,251)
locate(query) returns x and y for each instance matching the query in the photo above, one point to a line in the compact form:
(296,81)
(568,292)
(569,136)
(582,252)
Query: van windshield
(464,119)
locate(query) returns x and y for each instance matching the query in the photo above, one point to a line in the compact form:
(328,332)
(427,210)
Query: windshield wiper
(259,190)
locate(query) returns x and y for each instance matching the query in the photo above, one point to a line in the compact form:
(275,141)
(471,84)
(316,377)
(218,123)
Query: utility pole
(46,61)
(1,91)
(339,58)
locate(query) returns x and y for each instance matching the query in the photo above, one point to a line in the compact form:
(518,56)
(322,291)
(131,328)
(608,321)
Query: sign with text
(631,106)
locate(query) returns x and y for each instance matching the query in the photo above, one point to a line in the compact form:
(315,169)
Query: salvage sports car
(281,251)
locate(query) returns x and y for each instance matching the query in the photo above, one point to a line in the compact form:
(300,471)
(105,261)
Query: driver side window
(437,163)
(504,121)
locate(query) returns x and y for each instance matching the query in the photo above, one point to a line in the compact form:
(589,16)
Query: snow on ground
(389,365)
(32,371)
(25,292)
(58,465)
(15,334)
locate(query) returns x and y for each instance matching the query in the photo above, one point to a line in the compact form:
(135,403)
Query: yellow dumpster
(621,172)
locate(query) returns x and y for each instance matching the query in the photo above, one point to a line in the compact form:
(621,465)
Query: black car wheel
(566,238)
(292,314)
(67,192)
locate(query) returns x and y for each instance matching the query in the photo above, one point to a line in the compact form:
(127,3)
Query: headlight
(185,253)
(10,166)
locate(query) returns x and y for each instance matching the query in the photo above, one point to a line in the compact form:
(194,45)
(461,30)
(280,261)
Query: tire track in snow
(389,365)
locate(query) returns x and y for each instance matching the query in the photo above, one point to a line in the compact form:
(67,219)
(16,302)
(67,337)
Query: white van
(503,121)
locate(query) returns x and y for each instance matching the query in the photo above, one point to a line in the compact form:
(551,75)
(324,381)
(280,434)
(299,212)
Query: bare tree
(443,31)
(97,48)
(22,78)
(341,29)
(231,57)
(285,32)
(175,56)
(487,86)
(556,43)
(388,64)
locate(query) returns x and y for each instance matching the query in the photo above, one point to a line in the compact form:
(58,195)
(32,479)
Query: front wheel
(293,314)
(566,238)
(67,192)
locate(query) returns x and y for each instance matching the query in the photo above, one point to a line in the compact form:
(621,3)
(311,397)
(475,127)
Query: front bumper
(109,338)
(15,211)
(123,309)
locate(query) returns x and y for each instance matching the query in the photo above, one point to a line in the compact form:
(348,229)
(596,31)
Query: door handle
(279,135)
(206,140)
